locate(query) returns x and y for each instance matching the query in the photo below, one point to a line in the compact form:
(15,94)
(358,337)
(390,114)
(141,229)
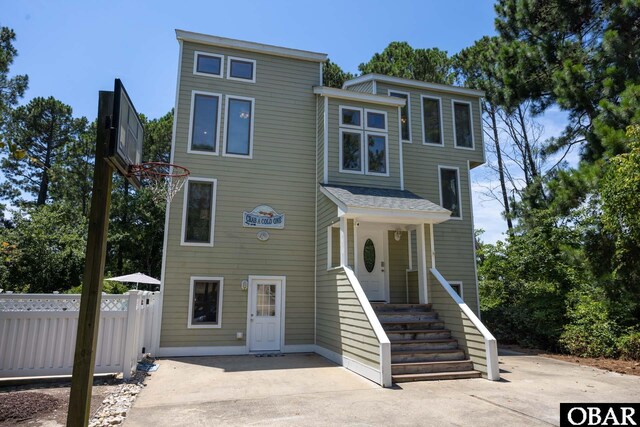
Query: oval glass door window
(369,255)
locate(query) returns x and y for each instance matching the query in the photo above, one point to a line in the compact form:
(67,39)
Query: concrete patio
(306,389)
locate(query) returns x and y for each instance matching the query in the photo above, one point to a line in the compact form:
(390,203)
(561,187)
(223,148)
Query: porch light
(397,235)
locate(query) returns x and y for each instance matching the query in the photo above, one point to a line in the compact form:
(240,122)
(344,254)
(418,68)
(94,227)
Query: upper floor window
(363,146)
(462,124)
(351,117)
(198,216)
(376,120)
(239,127)
(432,120)
(405,113)
(205,116)
(376,153)
(350,151)
(208,64)
(241,69)
(450,191)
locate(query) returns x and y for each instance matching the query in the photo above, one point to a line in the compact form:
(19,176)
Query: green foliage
(399,59)
(108,287)
(333,75)
(11,89)
(629,346)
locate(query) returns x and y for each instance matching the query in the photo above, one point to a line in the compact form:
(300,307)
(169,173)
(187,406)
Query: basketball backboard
(127,134)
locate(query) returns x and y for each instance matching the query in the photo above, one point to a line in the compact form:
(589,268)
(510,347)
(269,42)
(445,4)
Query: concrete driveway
(306,389)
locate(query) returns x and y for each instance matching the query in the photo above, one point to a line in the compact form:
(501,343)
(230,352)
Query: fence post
(130,341)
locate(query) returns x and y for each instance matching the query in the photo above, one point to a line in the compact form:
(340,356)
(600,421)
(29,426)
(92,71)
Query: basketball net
(162,179)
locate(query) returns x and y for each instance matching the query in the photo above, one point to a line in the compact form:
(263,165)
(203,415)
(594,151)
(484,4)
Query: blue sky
(73,49)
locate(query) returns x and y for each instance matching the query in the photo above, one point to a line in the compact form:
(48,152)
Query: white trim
(348,107)
(196,53)
(362,166)
(192,282)
(453,117)
(413,83)
(191,117)
(366,121)
(432,241)
(350,95)
(240,79)
(423,290)
(354,366)
(203,351)
(326,142)
(484,155)
(344,246)
(330,247)
(226,121)
(440,167)
(374,88)
(460,286)
(213,211)
(473,240)
(400,152)
(283,293)
(409,250)
(408,94)
(491,346)
(424,130)
(356,225)
(366,153)
(250,46)
(321,73)
(387,262)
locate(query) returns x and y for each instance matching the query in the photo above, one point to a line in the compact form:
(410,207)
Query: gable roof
(384,203)
(413,83)
(250,46)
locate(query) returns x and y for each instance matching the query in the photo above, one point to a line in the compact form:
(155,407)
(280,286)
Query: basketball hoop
(163,179)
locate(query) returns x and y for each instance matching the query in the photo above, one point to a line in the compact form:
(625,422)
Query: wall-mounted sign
(263,216)
(263,235)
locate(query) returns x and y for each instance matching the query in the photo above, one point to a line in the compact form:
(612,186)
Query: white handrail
(381,335)
(491,345)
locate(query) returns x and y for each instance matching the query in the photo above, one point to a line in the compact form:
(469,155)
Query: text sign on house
(263,216)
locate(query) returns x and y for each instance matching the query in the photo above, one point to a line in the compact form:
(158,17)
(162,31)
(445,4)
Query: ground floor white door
(371,261)
(265,313)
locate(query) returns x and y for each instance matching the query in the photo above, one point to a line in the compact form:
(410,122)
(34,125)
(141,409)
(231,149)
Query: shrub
(629,346)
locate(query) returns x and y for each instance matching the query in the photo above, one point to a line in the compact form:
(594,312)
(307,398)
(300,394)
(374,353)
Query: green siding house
(317,219)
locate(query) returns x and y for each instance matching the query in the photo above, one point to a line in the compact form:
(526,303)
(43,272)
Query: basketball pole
(89,316)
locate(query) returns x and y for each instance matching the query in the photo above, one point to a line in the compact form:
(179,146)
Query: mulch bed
(16,407)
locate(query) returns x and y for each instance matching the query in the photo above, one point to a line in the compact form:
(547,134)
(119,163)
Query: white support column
(344,247)
(433,247)
(422,265)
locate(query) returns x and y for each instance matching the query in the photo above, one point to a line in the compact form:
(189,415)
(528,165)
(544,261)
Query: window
(405,113)
(351,117)
(376,120)
(241,69)
(376,153)
(432,120)
(450,191)
(462,119)
(205,116)
(205,302)
(207,64)
(198,215)
(239,127)
(355,156)
(350,151)
(457,286)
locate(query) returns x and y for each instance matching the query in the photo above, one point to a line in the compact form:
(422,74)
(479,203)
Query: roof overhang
(350,95)
(250,46)
(414,83)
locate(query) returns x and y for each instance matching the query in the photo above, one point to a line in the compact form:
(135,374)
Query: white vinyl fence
(38,333)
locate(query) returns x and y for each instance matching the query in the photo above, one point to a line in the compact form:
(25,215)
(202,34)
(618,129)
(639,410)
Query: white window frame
(408,94)
(226,123)
(346,107)
(459,283)
(192,283)
(362,155)
(185,198)
(453,115)
(366,122)
(440,167)
(191,118)
(200,73)
(366,153)
(424,130)
(239,79)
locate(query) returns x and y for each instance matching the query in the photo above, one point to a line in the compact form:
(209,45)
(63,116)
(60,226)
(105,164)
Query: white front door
(265,307)
(371,261)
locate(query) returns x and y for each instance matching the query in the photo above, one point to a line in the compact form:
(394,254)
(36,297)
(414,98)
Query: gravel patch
(115,406)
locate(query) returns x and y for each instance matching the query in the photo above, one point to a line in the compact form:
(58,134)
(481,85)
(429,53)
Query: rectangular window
(350,151)
(205,116)
(432,120)
(208,64)
(239,127)
(405,112)
(199,212)
(205,302)
(376,154)
(241,69)
(462,131)
(376,120)
(450,191)
(457,286)
(351,117)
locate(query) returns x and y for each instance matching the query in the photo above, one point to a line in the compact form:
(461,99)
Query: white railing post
(130,352)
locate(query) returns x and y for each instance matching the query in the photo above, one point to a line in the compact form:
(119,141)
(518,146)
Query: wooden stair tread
(411,321)
(435,362)
(436,340)
(437,376)
(446,350)
(418,331)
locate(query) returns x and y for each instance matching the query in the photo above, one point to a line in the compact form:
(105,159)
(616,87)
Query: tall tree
(11,89)
(37,136)
(399,59)
(333,75)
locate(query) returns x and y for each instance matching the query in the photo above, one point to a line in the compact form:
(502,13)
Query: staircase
(421,348)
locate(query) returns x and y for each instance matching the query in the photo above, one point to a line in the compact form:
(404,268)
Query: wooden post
(89,316)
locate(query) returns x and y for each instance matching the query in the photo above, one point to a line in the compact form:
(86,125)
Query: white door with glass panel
(371,262)
(265,307)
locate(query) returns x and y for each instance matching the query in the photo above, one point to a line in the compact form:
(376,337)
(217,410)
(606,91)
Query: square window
(350,117)
(241,69)
(239,135)
(198,215)
(208,64)
(462,124)
(376,120)
(450,191)
(431,121)
(205,303)
(350,151)
(376,154)
(204,122)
